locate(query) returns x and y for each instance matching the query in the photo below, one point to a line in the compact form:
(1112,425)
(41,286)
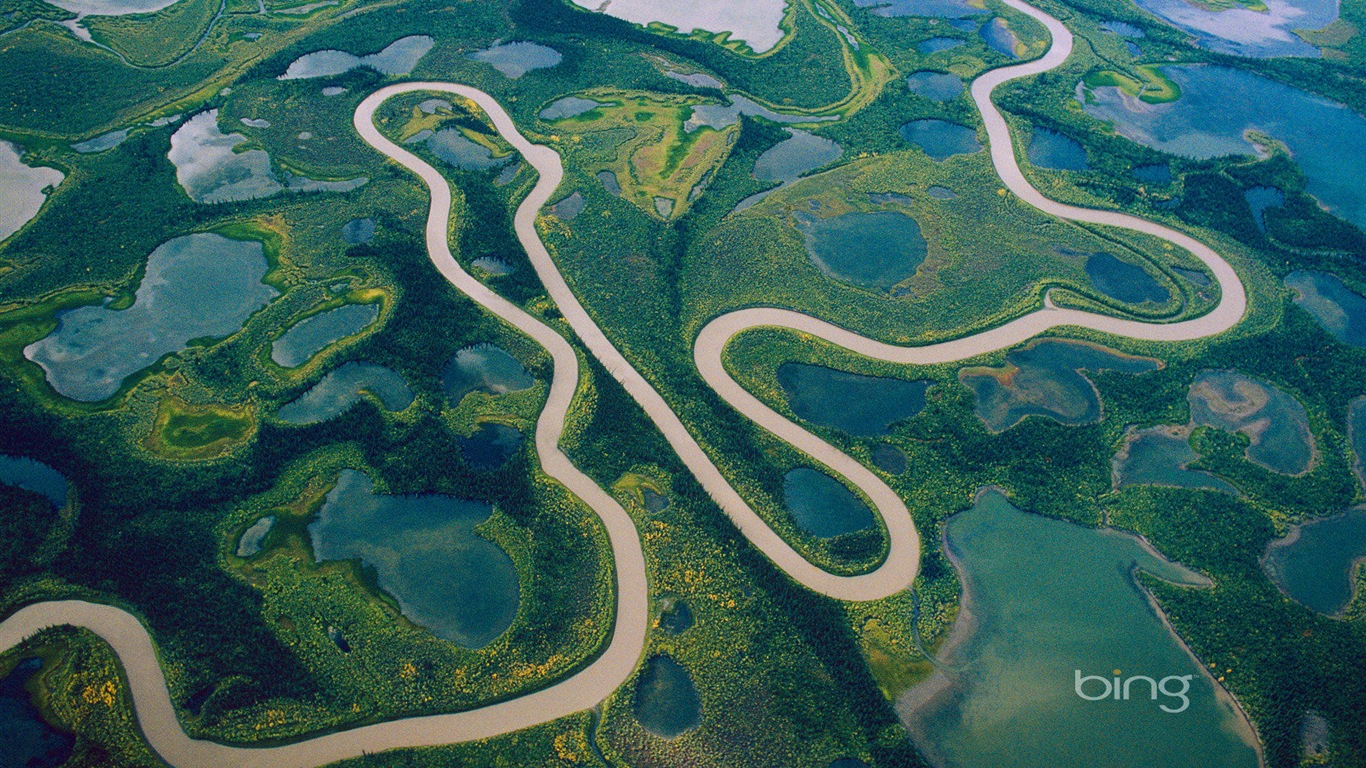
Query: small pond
(484,368)
(254,536)
(425,552)
(943,9)
(889,459)
(195,287)
(862,406)
(609,183)
(516,59)
(1160,456)
(358,231)
(211,170)
(871,250)
(941,139)
(22,189)
(1124,281)
(716,116)
(939,44)
(1153,173)
(1275,423)
(490,447)
(34,476)
(941,193)
(102,143)
(29,742)
(455,149)
(1123,29)
(935,86)
(569,106)
(755,22)
(568,208)
(1050,605)
(1058,151)
(800,153)
(399,58)
(822,506)
(313,334)
(666,701)
(1316,564)
(1341,311)
(343,388)
(1045,378)
(1261,198)
(1000,38)
(677,618)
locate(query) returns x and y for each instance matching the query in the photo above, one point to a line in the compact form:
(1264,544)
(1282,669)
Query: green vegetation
(188,432)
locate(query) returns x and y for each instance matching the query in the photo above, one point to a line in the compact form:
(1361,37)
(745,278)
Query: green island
(840,383)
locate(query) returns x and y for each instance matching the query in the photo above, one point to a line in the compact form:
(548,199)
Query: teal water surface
(1045,379)
(1047,602)
(666,701)
(1340,310)
(1315,565)
(822,506)
(194,287)
(426,553)
(343,388)
(1124,281)
(313,334)
(515,59)
(28,740)
(1058,151)
(859,405)
(484,368)
(1160,456)
(398,58)
(35,476)
(1275,423)
(871,250)
(941,139)
(935,86)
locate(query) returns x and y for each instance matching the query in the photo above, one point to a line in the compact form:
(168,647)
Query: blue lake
(569,106)
(1124,281)
(1219,105)
(357,231)
(1159,456)
(822,506)
(398,58)
(490,447)
(195,287)
(935,86)
(666,701)
(939,44)
(1044,378)
(1261,198)
(858,405)
(1240,31)
(999,38)
(516,59)
(484,368)
(1275,423)
(426,553)
(454,148)
(941,139)
(23,189)
(1341,311)
(1315,565)
(254,536)
(1050,149)
(29,742)
(1155,173)
(871,250)
(944,9)
(313,334)
(34,476)
(343,388)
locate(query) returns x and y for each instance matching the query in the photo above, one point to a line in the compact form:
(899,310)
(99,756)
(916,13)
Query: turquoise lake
(666,701)
(1239,31)
(426,553)
(313,334)
(34,476)
(862,406)
(1315,565)
(1048,602)
(195,287)
(343,388)
(1045,379)
(1219,105)
(1058,151)
(935,86)
(1159,456)
(490,447)
(871,250)
(1124,281)
(1275,422)
(822,506)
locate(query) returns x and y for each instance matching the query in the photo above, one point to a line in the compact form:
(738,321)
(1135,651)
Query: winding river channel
(585,689)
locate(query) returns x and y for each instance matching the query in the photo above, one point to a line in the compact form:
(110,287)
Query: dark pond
(484,368)
(935,86)
(34,476)
(426,553)
(938,44)
(343,388)
(677,619)
(357,231)
(666,701)
(490,446)
(941,139)
(1159,456)
(870,250)
(252,538)
(29,742)
(859,405)
(1275,423)
(1315,565)
(1050,149)
(822,506)
(1124,281)
(313,334)
(1155,173)
(1261,198)
(889,459)
(1341,311)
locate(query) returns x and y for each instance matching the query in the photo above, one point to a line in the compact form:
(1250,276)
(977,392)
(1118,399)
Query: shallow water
(343,388)
(1219,105)
(755,22)
(569,106)
(1155,173)
(609,183)
(1123,281)
(795,156)
(943,9)
(696,79)
(1050,149)
(889,459)
(1122,29)
(357,231)
(490,447)
(29,742)
(453,148)
(398,58)
(425,553)
(999,38)
(252,538)
(677,620)
(1315,565)
(716,116)
(1159,456)
(1242,32)
(568,208)
(941,139)
(666,701)
(484,368)
(935,86)
(21,189)
(313,334)
(939,44)
(1275,422)
(871,250)
(102,143)
(941,193)
(1261,198)
(516,59)
(822,506)
(1045,379)
(35,476)
(1051,601)
(862,406)
(210,170)
(1338,309)
(195,287)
